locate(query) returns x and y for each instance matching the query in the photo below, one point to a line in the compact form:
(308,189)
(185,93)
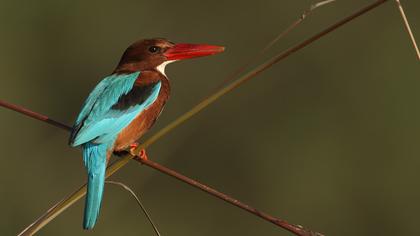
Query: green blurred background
(328,138)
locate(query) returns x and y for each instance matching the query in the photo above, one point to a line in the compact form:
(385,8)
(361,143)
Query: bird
(123,106)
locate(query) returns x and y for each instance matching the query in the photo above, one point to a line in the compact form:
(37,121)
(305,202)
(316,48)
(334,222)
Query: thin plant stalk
(143,209)
(285,32)
(408,28)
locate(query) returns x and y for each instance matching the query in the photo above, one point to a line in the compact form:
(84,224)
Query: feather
(94,157)
(101,118)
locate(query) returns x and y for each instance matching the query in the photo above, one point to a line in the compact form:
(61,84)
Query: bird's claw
(142,154)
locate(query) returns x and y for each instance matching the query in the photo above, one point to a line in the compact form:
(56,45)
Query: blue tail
(94,157)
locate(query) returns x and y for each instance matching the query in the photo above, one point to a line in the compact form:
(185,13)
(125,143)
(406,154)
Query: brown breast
(147,118)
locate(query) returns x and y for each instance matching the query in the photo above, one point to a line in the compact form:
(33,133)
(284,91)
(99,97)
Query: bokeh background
(328,138)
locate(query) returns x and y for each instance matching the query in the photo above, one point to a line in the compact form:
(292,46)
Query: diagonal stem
(143,209)
(295,229)
(285,32)
(65,203)
(408,28)
(212,98)
(34,115)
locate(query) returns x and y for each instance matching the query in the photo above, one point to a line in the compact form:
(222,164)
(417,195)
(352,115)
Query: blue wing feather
(98,120)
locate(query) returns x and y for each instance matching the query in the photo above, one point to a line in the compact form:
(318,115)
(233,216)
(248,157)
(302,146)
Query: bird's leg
(141,156)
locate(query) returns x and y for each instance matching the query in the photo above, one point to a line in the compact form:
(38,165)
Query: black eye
(154,49)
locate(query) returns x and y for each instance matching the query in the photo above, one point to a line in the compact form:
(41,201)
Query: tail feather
(94,157)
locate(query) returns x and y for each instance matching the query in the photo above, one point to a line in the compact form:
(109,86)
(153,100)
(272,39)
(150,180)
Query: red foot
(142,155)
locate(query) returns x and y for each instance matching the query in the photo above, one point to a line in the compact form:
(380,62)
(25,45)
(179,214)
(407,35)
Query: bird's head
(149,54)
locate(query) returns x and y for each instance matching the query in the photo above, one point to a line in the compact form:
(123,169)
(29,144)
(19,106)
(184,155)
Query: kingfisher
(123,106)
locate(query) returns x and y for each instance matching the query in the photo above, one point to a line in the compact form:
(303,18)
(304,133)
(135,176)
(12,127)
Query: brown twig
(295,229)
(65,203)
(34,115)
(298,230)
(408,28)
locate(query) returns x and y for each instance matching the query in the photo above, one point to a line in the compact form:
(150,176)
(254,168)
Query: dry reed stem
(133,194)
(408,28)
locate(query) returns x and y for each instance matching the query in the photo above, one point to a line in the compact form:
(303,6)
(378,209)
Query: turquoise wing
(110,107)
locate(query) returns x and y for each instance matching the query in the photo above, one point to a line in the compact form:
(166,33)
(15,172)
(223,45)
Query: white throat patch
(161,67)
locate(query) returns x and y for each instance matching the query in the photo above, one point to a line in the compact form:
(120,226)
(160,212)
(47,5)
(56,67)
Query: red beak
(183,51)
